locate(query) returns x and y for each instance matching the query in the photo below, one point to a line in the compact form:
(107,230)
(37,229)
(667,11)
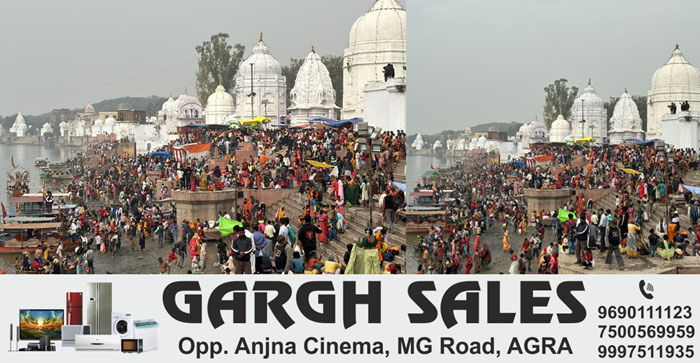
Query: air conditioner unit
(69,332)
(97,343)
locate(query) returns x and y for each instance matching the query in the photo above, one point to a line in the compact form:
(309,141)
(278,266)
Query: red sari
(323,223)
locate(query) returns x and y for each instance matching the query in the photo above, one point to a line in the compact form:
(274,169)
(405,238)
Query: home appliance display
(132,345)
(123,325)
(99,307)
(68,333)
(34,324)
(12,333)
(147,330)
(74,308)
(97,343)
(45,344)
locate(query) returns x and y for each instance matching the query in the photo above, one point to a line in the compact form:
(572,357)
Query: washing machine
(123,325)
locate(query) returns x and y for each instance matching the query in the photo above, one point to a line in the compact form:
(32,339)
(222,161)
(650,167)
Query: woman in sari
(323,223)
(485,256)
(666,251)
(468,265)
(506,241)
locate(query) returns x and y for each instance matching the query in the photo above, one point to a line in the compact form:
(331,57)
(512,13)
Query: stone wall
(206,205)
(202,204)
(549,200)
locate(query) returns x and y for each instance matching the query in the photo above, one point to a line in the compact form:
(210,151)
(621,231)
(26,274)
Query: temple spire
(677,47)
(589,81)
(261,38)
(313,50)
(221,77)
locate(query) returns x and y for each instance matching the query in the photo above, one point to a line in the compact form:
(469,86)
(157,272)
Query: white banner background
(142,295)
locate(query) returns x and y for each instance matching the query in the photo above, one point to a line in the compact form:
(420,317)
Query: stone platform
(639,265)
(204,205)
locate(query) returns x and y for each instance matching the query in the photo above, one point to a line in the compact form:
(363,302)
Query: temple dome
(269,85)
(593,112)
(376,39)
(677,73)
(219,105)
(676,81)
(626,114)
(110,121)
(264,64)
(168,105)
(89,108)
(19,120)
(560,130)
(313,86)
(385,21)
(625,121)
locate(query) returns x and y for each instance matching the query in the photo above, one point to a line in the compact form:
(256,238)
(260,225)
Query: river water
(24,156)
(416,166)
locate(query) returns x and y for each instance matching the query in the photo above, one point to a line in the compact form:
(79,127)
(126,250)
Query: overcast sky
(473,62)
(69,53)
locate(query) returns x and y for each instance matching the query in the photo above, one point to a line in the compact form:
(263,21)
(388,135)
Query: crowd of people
(118,202)
(489,196)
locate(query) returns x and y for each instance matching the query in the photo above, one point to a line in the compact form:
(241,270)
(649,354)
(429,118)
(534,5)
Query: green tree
(558,98)
(217,58)
(333,63)
(640,101)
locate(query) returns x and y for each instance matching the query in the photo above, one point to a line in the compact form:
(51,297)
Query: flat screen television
(36,323)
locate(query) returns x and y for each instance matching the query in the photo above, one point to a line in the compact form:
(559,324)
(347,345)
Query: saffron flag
(4,211)
(226,226)
(631,171)
(198,151)
(12,161)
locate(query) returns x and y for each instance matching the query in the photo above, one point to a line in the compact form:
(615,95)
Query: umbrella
(631,171)
(563,215)
(226,226)
(319,164)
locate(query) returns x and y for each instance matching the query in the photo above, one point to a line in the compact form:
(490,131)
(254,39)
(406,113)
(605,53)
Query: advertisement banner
(375,319)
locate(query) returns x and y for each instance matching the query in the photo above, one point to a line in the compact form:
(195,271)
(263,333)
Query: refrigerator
(99,307)
(74,308)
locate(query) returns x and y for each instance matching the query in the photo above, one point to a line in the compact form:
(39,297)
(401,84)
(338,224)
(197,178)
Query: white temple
(46,129)
(437,145)
(589,107)
(313,94)
(376,38)
(220,105)
(19,128)
(625,121)
(181,112)
(561,129)
(418,143)
(97,127)
(531,133)
(269,86)
(676,81)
